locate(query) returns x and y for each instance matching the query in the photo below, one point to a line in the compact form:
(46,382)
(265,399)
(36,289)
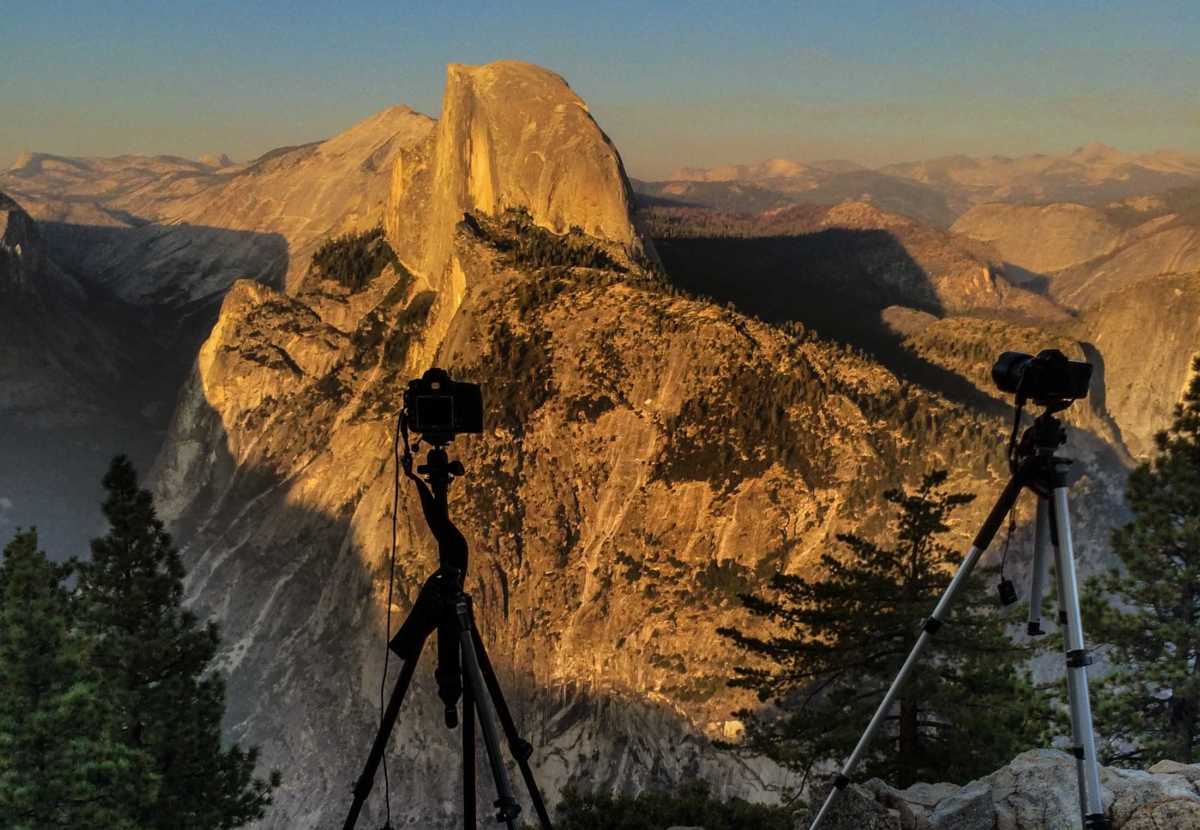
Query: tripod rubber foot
(1034,629)
(451,717)
(1097,821)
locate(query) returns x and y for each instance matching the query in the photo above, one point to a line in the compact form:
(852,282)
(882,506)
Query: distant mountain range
(938,190)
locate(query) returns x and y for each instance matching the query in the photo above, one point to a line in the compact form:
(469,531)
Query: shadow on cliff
(163,283)
(299,602)
(172,265)
(52,468)
(836,282)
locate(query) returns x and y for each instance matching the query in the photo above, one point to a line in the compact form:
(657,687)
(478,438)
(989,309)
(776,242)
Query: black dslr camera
(440,408)
(1047,379)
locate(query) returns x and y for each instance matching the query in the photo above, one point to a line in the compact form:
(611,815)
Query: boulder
(1037,790)
(1169,814)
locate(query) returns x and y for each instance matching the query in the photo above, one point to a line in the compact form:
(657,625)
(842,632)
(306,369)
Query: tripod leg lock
(521,749)
(1079,658)
(841,782)
(932,625)
(507,809)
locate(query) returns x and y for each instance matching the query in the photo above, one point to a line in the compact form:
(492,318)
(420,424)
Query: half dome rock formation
(511,135)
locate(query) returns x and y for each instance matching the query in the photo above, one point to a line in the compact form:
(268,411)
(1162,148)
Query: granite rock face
(1146,336)
(510,134)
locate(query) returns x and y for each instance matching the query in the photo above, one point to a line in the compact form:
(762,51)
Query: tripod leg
(990,525)
(1080,780)
(520,748)
(1078,659)
(1060,592)
(1041,542)
(367,780)
(506,804)
(470,822)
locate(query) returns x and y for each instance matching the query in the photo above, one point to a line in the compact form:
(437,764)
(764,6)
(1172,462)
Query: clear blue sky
(672,83)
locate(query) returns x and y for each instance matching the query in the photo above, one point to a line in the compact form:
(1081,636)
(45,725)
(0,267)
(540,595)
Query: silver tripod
(1034,465)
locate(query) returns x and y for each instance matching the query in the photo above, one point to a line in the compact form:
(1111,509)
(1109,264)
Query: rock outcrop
(510,135)
(22,251)
(1037,791)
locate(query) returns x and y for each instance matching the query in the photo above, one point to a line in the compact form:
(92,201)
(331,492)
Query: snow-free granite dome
(511,134)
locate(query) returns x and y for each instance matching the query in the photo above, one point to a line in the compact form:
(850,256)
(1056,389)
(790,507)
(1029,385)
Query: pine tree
(61,761)
(1148,709)
(155,659)
(842,638)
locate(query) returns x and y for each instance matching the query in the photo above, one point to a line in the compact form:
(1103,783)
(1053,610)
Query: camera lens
(1008,370)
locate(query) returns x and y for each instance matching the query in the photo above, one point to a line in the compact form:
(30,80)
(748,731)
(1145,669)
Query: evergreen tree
(154,659)
(61,761)
(1148,709)
(842,638)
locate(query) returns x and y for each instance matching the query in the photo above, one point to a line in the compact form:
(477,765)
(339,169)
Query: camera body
(439,408)
(1047,378)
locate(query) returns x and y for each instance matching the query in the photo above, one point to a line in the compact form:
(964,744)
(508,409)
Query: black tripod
(444,607)
(1034,465)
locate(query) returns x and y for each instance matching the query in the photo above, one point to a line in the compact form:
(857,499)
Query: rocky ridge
(168,231)
(1084,254)
(938,190)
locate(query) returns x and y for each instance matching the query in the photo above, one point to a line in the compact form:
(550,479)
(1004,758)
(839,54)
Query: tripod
(463,668)
(1034,465)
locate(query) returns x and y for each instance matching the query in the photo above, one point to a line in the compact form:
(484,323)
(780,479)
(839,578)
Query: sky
(673,84)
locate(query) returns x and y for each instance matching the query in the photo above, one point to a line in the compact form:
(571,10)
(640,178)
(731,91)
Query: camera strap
(1012,437)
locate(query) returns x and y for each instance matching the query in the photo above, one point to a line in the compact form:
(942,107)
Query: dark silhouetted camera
(440,408)
(1045,379)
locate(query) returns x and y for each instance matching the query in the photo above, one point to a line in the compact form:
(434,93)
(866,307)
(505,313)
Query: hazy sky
(672,83)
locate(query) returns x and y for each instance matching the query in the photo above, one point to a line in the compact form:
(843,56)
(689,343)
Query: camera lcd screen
(435,412)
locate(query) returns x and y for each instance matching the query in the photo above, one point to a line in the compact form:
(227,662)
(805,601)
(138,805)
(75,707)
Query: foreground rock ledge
(1037,791)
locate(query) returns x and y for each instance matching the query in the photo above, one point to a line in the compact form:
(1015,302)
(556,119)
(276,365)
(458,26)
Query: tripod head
(1041,438)
(438,470)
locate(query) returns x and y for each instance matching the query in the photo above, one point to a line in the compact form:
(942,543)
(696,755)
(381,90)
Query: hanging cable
(400,434)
